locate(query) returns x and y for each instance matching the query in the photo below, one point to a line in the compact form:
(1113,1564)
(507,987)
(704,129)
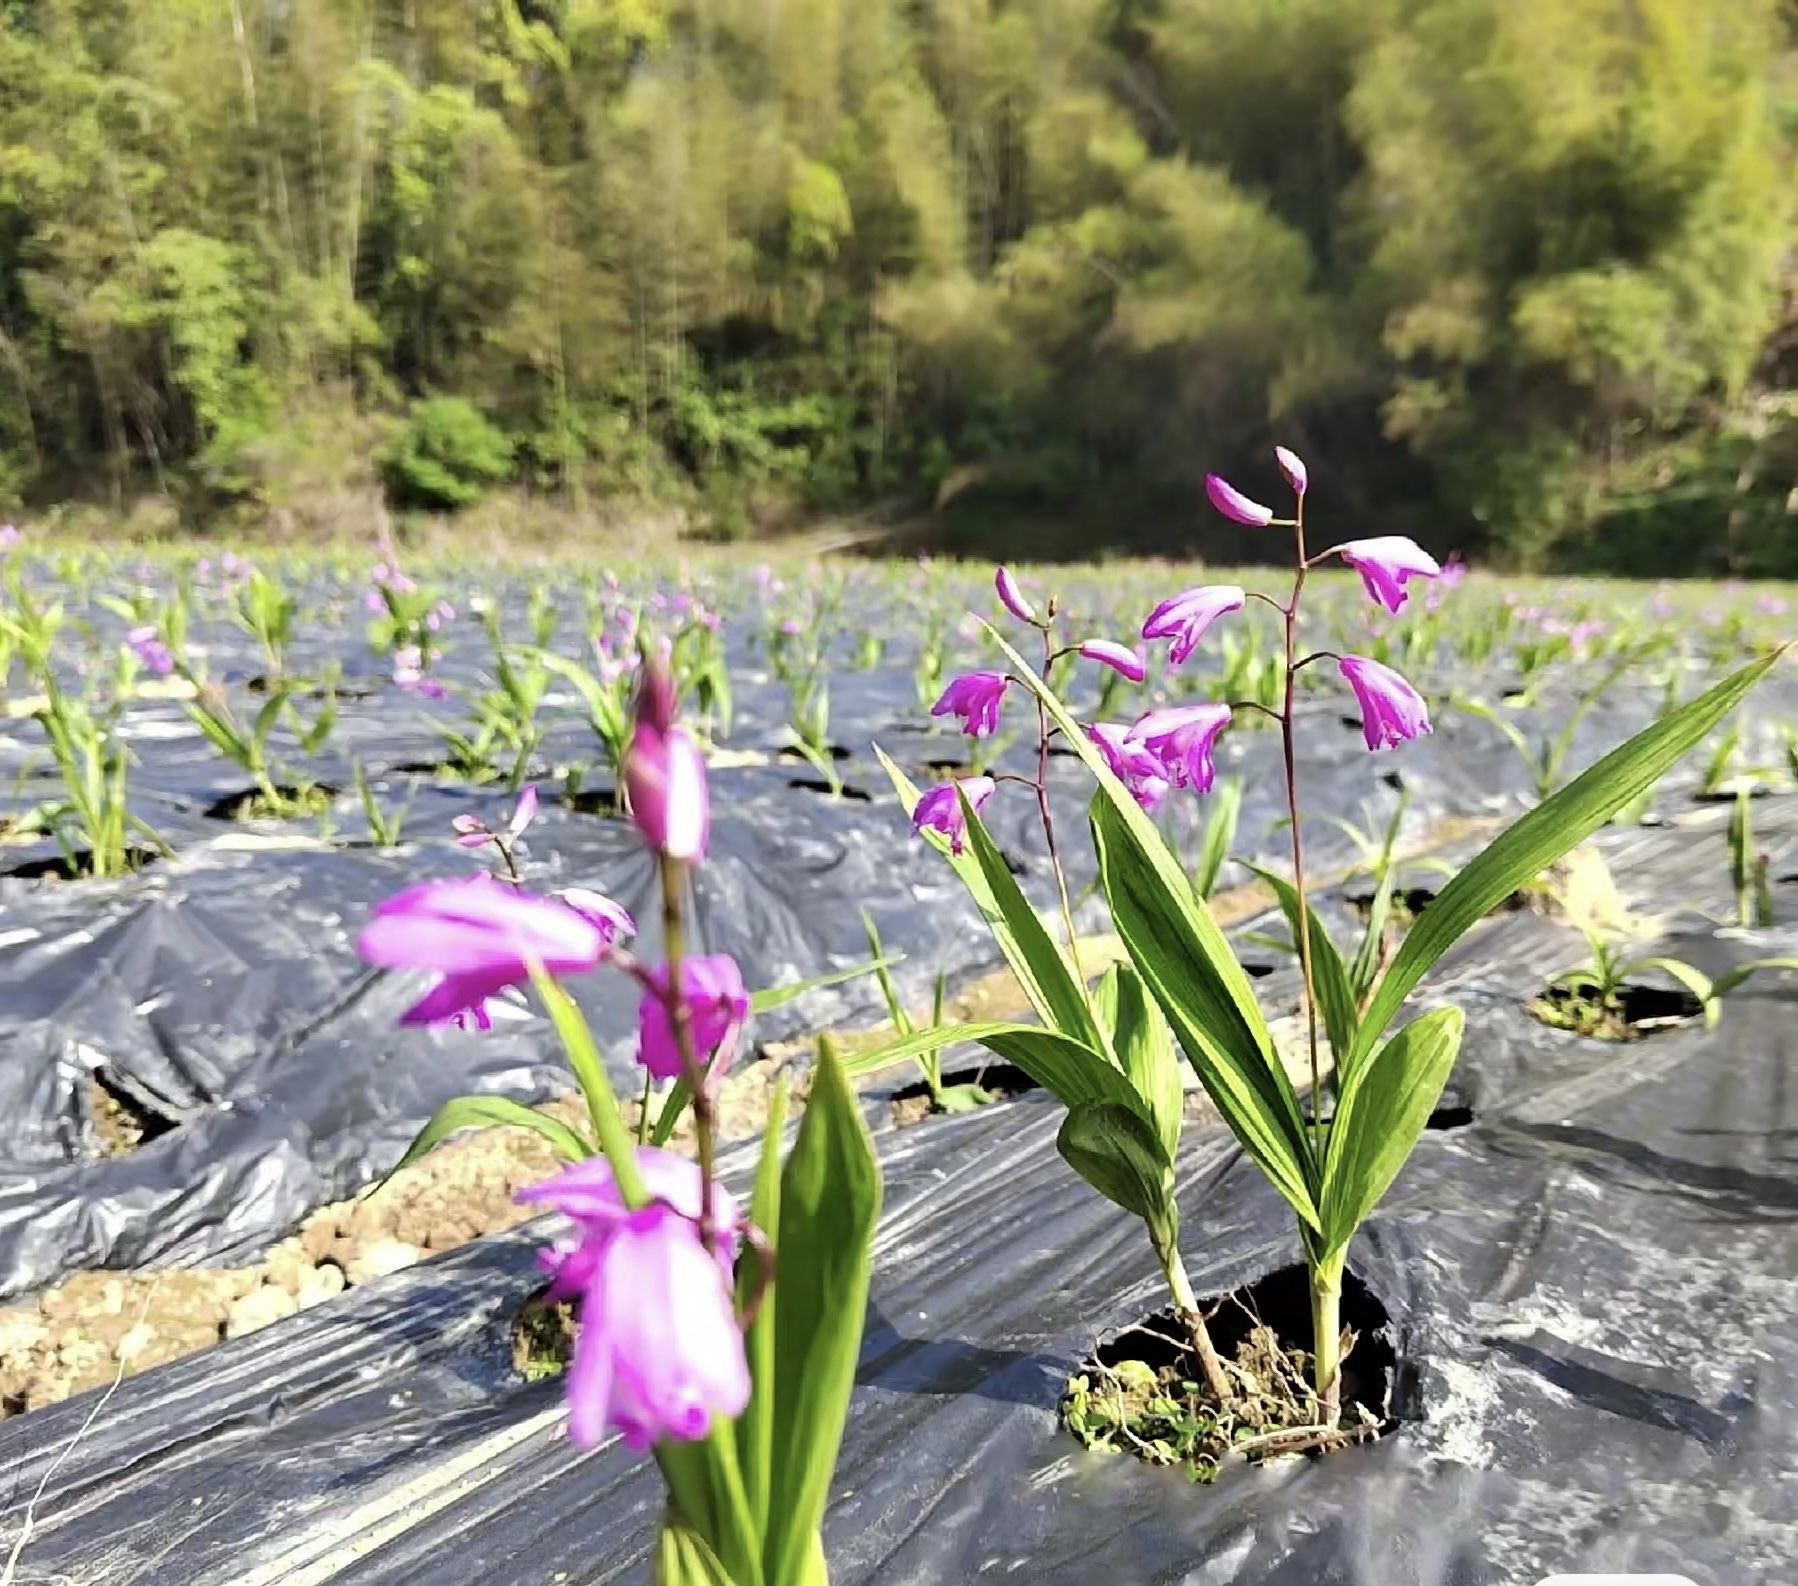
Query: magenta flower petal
(974,696)
(588,1193)
(472,926)
(1131,763)
(1235,505)
(1187,616)
(610,919)
(1385,564)
(1392,711)
(660,1351)
(523,813)
(712,987)
(1182,738)
(1293,467)
(1011,597)
(1119,657)
(939,809)
(459,999)
(665,783)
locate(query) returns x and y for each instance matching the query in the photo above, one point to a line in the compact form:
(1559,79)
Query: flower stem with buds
(680,1019)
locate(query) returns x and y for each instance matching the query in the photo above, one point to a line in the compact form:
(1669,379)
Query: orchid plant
(692,1344)
(1107,1052)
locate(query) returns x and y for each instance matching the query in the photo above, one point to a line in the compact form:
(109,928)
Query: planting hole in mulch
(543,1337)
(944,769)
(1629,1014)
(121,1121)
(60,868)
(1407,903)
(963,1090)
(289,804)
(601,801)
(263,684)
(1444,1120)
(817,784)
(791,756)
(1143,1393)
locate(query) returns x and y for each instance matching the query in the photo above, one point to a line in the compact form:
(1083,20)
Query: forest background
(1517,277)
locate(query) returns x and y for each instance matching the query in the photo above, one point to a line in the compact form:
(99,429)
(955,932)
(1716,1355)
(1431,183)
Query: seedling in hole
(943,1098)
(1595,1000)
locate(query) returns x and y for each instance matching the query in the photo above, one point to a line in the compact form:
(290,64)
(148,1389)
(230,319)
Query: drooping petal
(1392,711)
(975,697)
(1133,764)
(524,812)
(611,920)
(1119,657)
(1186,617)
(472,925)
(459,999)
(1385,564)
(939,809)
(712,987)
(1235,505)
(1183,737)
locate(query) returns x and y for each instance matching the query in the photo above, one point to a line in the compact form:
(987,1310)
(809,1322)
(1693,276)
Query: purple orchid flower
(717,1003)
(974,696)
(1392,711)
(1385,564)
(1235,505)
(1187,616)
(939,809)
(1182,738)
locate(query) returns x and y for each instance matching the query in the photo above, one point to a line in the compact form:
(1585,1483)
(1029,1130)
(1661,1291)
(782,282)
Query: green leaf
(492,1112)
(1063,1066)
(1380,1113)
(1036,958)
(829,1204)
(1336,1001)
(1118,1152)
(771,997)
(1541,837)
(683,1557)
(963,1098)
(1145,1047)
(590,1074)
(1163,927)
(1220,832)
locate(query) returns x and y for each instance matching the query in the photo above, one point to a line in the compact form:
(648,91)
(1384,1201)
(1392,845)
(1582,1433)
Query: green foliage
(1512,268)
(446,456)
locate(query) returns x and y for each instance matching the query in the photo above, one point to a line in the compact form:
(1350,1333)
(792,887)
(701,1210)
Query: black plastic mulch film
(1591,1288)
(222,998)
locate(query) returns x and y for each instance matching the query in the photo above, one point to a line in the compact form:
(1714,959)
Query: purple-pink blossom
(611,920)
(147,645)
(1133,764)
(1235,505)
(1392,711)
(1011,596)
(1386,563)
(1293,467)
(665,783)
(1182,738)
(479,938)
(717,1003)
(974,696)
(1119,657)
(939,808)
(1187,616)
(659,1350)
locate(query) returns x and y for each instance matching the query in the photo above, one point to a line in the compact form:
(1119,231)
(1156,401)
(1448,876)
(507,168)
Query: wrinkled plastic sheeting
(222,996)
(1591,1290)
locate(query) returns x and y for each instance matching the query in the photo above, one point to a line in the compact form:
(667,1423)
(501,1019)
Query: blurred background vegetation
(1516,276)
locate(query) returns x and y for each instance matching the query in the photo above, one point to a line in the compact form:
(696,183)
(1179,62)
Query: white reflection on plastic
(1615,1580)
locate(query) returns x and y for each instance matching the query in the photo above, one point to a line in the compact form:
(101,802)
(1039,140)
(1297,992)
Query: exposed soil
(1143,1391)
(58,868)
(119,1121)
(291,803)
(1626,1015)
(962,1090)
